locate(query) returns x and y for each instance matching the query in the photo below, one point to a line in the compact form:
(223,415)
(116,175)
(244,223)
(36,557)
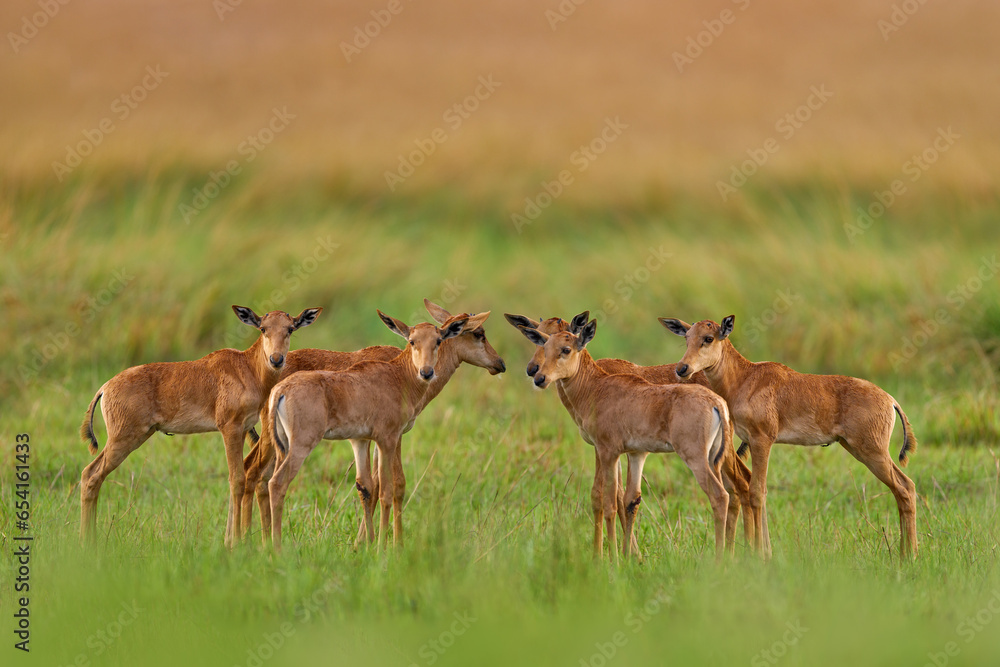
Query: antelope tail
(719,439)
(909,439)
(277,418)
(87,427)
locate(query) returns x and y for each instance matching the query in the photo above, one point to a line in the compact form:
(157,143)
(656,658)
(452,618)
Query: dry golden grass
(608,59)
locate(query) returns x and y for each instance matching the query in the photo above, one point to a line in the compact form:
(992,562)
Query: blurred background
(697,83)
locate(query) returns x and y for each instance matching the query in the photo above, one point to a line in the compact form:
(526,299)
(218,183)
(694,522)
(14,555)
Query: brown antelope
(372,400)
(223,391)
(470,346)
(736,475)
(624,414)
(772,403)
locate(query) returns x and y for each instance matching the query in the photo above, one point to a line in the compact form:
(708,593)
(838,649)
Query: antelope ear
(476,321)
(439,314)
(726,327)
(454,328)
(678,327)
(394,325)
(247,316)
(577,324)
(307,317)
(586,335)
(534,335)
(521,321)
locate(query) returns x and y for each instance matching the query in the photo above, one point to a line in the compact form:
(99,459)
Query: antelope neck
(577,391)
(266,375)
(447,363)
(727,375)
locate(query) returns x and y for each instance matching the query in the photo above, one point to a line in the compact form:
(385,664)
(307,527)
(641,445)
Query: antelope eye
(291,330)
(708,339)
(410,342)
(565,350)
(480,335)
(438,342)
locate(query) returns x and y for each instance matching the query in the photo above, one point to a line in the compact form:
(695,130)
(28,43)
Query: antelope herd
(693,408)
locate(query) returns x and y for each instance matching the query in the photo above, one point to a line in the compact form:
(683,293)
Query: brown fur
(624,414)
(372,400)
(736,475)
(222,391)
(259,463)
(773,403)
(471,346)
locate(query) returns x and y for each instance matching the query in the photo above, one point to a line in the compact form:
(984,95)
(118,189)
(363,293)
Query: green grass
(498,527)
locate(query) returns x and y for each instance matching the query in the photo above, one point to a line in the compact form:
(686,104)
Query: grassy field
(498,516)
(826,178)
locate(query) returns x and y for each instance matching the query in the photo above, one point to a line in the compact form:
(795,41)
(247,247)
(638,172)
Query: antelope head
(550,326)
(560,352)
(705,342)
(424,341)
(276,328)
(471,345)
